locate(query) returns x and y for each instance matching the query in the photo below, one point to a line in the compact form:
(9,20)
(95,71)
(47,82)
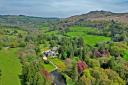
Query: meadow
(77,31)
(10,66)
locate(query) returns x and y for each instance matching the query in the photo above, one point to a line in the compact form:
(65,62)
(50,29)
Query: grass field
(89,39)
(10,67)
(49,67)
(59,63)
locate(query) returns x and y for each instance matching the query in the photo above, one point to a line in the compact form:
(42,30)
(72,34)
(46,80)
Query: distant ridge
(36,22)
(100,15)
(25,21)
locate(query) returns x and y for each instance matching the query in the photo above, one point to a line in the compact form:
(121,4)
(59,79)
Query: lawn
(10,67)
(59,63)
(49,67)
(89,39)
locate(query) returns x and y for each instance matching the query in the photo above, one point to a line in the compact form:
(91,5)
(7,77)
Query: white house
(52,52)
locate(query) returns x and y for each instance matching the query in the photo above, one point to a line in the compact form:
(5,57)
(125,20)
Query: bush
(93,63)
(0,46)
(22,44)
(13,44)
(46,62)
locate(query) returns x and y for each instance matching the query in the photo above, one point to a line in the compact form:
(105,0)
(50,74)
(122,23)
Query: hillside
(26,21)
(36,22)
(98,16)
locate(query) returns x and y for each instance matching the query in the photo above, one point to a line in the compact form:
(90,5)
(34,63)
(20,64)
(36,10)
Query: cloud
(60,8)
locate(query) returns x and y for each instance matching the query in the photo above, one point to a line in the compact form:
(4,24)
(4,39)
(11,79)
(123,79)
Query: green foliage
(32,76)
(0,46)
(93,63)
(99,76)
(75,74)
(69,81)
(75,43)
(120,65)
(118,49)
(22,44)
(26,21)
(126,55)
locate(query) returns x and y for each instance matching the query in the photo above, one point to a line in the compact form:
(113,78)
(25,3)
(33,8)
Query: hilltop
(99,16)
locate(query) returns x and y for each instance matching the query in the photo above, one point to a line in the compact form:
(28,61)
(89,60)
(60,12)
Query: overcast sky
(59,8)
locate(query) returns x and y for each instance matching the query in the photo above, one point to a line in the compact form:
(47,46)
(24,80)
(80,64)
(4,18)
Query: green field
(89,39)
(49,67)
(10,67)
(59,63)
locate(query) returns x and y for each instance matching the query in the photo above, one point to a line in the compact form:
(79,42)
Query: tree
(120,66)
(33,76)
(106,77)
(13,44)
(87,81)
(52,43)
(0,47)
(22,44)
(93,63)
(75,73)
(81,65)
(80,42)
(118,49)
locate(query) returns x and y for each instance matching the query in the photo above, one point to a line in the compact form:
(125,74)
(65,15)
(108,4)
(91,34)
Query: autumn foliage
(81,65)
(46,74)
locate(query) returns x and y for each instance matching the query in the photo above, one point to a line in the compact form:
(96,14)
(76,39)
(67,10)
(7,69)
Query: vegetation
(26,21)
(88,38)
(73,51)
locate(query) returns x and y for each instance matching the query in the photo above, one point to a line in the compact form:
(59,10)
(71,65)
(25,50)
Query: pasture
(10,67)
(76,31)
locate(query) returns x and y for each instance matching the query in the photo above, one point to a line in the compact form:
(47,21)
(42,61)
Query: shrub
(81,65)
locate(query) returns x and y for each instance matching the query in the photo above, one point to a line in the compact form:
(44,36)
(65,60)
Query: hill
(25,21)
(101,15)
(37,22)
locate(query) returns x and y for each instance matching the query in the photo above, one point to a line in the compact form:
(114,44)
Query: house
(52,52)
(49,53)
(54,49)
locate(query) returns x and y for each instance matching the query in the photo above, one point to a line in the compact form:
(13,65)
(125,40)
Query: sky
(59,8)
